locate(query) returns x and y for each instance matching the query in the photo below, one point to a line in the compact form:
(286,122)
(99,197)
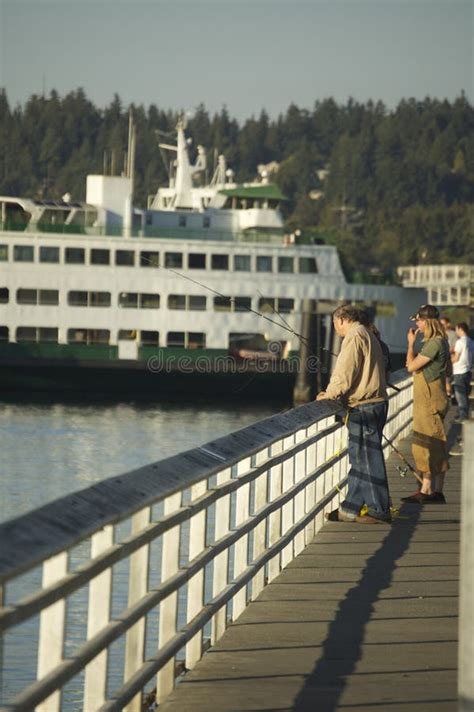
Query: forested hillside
(388,187)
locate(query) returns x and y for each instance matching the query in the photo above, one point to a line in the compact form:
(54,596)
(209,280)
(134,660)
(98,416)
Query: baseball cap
(426,311)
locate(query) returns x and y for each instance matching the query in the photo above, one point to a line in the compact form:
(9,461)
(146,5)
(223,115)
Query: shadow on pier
(364,617)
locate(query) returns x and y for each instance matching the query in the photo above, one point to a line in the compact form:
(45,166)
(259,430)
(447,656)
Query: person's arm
(456,352)
(414,362)
(347,367)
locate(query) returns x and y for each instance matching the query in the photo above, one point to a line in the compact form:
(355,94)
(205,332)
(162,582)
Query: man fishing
(359,382)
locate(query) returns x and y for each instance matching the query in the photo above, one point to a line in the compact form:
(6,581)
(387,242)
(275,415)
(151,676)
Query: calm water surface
(50,449)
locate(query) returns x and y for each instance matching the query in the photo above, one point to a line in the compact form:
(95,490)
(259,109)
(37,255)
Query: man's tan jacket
(359,374)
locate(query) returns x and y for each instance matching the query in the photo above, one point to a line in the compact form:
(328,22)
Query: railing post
(299,501)
(137,588)
(98,615)
(260,530)
(466,580)
(288,509)
(276,475)
(242,508)
(310,491)
(219,580)
(197,543)
(52,625)
(169,606)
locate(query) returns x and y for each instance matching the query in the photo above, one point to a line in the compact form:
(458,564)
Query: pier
(240,595)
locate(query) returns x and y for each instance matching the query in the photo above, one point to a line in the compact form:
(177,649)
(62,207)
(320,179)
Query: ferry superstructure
(101,292)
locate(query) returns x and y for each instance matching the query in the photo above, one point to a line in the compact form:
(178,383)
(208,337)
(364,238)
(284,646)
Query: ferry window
(75,255)
(23,253)
(285,264)
(129,300)
(4,295)
(219,261)
(3,253)
(99,299)
(206,221)
(149,259)
(308,265)
(47,335)
(285,306)
(182,221)
(197,303)
(242,263)
(242,303)
(98,336)
(175,338)
(149,338)
(100,257)
(26,333)
(197,260)
(77,336)
(176,301)
(222,303)
(48,296)
(266,304)
(173,259)
(27,296)
(4,333)
(264,263)
(124,258)
(196,340)
(149,301)
(49,254)
(127,335)
(77,299)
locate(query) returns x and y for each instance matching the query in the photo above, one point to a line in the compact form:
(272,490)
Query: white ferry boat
(201,290)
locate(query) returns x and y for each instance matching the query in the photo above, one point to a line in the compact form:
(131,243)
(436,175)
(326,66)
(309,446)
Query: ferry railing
(252,235)
(228,516)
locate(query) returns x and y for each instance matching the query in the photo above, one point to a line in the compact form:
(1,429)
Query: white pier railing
(189,540)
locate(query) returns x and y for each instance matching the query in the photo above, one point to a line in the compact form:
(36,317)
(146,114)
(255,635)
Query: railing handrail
(40,534)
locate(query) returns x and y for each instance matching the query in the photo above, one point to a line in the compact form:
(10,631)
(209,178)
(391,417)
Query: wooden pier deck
(365,617)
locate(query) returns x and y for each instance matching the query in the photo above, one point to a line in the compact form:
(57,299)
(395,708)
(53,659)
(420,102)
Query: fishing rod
(286,327)
(283,324)
(402,471)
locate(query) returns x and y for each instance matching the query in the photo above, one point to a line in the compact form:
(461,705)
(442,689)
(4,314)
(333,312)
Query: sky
(247,55)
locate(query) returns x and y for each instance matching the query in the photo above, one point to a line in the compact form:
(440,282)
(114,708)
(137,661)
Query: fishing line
(224,296)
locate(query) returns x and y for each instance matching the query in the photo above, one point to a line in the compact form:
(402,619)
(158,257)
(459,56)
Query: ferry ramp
(364,617)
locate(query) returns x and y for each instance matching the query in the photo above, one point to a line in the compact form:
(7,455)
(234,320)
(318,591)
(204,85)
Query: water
(50,449)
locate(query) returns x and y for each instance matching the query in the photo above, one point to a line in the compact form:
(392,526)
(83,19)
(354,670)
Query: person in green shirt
(430,404)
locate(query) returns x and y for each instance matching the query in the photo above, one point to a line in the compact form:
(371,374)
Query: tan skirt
(430,405)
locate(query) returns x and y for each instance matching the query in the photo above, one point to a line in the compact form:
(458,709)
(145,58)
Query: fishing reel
(402,471)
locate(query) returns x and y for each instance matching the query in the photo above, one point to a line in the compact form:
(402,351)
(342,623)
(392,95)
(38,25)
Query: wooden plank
(98,615)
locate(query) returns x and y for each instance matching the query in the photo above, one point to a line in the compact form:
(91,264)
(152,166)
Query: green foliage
(386,187)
